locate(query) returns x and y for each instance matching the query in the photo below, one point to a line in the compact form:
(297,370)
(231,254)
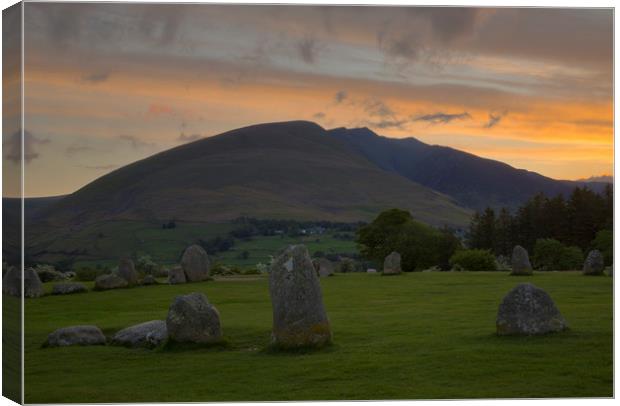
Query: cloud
(442,118)
(95,78)
(98,167)
(494,119)
(307,49)
(318,115)
(377,108)
(135,142)
(13,146)
(188,138)
(158,110)
(383,124)
(340,96)
(76,149)
(450,23)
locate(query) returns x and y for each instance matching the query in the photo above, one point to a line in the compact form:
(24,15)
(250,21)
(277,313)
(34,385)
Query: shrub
(47,273)
(145,265)
(87,274)
(346,265)
(552,255)
(473,260)
(604,242)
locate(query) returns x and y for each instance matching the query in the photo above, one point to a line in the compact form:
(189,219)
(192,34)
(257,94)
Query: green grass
(415,336)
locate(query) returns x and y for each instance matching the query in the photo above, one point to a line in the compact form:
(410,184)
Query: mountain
(474,182)
(291,170)
(602,178)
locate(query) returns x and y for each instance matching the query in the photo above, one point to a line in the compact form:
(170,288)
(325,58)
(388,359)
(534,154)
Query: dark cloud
(450,23)
(13,146)
(135,142)
(442,118)
(307,49)
(383,124)
(340,96)
(377,108)
(494,119)
(96,77)
(188,138)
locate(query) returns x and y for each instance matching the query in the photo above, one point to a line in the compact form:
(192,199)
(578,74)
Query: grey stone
(32,284)
(528,310)
(176,275)
(68,288)
(299,317)
(195,264)
(391,264)
(371,270)
(12,282)
(149,280)
(47,273)
(520,261)
(110,281)
(149,334)
(323,267)
(594,263)
(191,318)
(76,335)
(127,271)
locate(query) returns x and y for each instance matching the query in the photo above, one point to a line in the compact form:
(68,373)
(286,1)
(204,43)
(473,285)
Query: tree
(604,242)
(474,260)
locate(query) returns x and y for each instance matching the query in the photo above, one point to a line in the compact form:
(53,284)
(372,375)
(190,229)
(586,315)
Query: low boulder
(149,334)
(48,273)
(528,310)
(192,319)
(323,267)
(110,281)
(594,263)
(176,276)
(68,288)
(195,264)
(149,280)
(299,317)
(520,261)
(371,270)
(391,265)
(75,335)
(127,271)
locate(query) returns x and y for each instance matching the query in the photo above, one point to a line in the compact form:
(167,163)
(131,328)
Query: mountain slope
(281,170)
(472,181)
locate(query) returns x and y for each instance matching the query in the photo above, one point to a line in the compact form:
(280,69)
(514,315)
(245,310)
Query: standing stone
(110,281)
(149,334)
(32,284)
(299,317)
(323,267)
(68,288)
(520,261)
(76,335)
(391,265)
(127,271)
(12,282)
(176,275)
(191,318)
(149,280)
(195,263)
(594,264)
(528,310)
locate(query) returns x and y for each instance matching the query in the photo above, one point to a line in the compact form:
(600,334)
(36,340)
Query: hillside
(472,181)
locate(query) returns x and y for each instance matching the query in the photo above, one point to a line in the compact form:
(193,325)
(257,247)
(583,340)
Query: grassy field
(415,336)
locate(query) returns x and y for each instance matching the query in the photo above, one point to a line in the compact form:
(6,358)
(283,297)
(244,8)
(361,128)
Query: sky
(109,84)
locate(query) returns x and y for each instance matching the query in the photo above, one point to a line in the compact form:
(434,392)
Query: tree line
(584,220)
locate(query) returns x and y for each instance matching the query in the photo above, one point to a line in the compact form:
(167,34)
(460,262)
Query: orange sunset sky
(108,84)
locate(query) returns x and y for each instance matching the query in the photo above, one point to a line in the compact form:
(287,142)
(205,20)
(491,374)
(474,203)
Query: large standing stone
(195,263)
(299,317)
(594,264)
(127,271)
(12,282)
(528,310)
(176,275)
(76,335)
(323,267)
(191,318)
(149,334)
(520,261)
(32,284)
(110,281)
(68,288)
(391,265)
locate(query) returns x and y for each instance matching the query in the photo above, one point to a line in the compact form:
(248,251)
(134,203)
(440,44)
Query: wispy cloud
(189,137)
(341,95)
(135,142)
(307,49)
(442,118)
(98,167)
(318,115)
(377,108)
(95,78)
(494,119)
(13,146)
(76,149)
